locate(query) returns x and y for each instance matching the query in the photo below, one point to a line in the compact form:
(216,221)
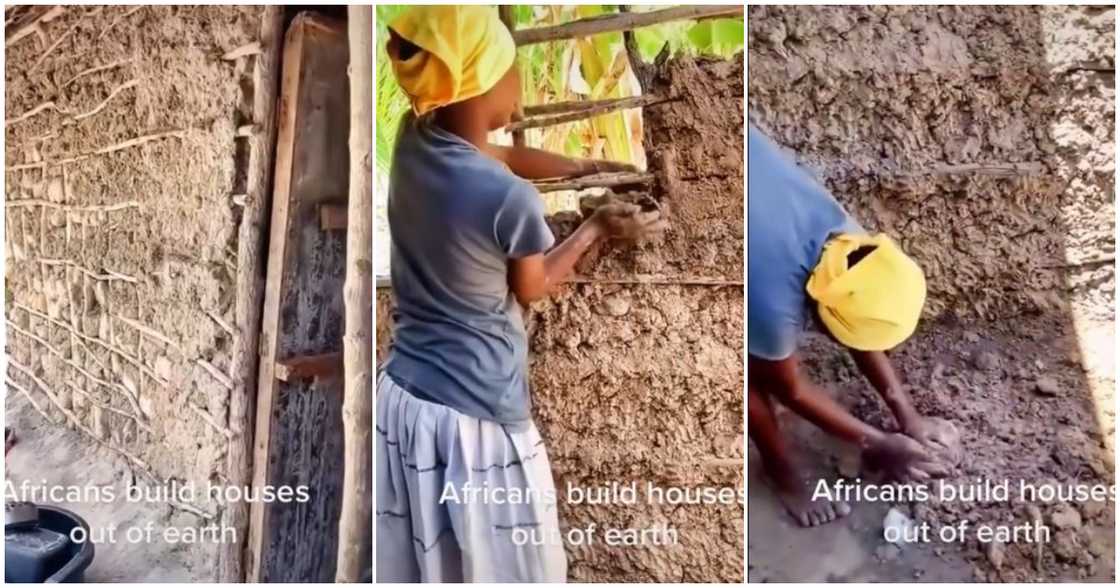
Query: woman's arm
(785,382)
(534,277)
(902,457)
(535,164)
(877,368)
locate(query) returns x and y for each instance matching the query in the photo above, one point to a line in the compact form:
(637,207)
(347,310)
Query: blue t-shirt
(790,217)
(456,218)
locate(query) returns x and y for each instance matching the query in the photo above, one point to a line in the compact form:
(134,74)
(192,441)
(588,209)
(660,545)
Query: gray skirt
(461,499)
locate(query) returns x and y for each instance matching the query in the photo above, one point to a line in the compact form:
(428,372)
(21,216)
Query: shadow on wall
(981,139)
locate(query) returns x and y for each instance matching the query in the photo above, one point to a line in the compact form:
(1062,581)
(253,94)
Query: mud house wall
(642,383)
(121,228)
(637,383)
(979,137)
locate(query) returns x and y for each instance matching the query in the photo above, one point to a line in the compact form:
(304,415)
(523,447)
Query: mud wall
(121,165)
(979,137)
(637,376)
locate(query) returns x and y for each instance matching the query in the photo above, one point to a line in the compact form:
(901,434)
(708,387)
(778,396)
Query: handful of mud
(944,444)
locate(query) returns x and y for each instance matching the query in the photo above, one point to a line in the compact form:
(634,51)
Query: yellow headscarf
(875,304)
(466,50)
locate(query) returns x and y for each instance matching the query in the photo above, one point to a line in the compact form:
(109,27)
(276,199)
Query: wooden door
(298,435)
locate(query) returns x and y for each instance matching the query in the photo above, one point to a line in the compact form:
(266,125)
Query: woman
(464,488)
(809,258)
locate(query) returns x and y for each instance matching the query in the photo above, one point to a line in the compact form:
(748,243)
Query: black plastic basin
(59,560)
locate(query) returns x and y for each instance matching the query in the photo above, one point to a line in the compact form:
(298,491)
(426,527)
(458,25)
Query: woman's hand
(621,220)
(902,458)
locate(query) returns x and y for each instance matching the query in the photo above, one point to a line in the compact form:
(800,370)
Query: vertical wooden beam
(354,526)
(298,438)
(278,234)
(505,12)
(250,289)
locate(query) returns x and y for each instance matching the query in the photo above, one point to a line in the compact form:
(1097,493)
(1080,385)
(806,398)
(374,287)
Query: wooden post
(505,12)
(250,290)
(609,23)
(354,531)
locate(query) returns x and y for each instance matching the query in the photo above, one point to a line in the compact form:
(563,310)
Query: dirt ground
(50,455)
(986,379)
(983,140)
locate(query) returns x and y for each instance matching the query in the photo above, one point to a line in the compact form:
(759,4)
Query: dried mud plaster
(982,139)
(121,236)
(643,383)
(692,149)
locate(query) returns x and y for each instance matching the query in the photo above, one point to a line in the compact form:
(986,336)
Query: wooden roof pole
(623,21)
(354,532)
(505,12)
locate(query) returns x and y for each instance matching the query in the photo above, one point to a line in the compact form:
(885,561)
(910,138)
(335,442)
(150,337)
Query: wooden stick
(586,113)
(333,217)
(69,207)
(505,13)
(134,142)
(659,280)
(108,276)
(354,534)
(1009,169)
(48,105)
(107,345)
(95,69)
(89,398)
(145,329)
(724,462)
(251,248)
(215,373)
(117,21)
(570,106)
(228,328)
(129,84)
(609,23)
(324,365)
(63,37)
(129,394)
(27,394)
(77,424)
(209,420)
(247,130)
(69,414)
(253,48)
(33,26)
(593,181)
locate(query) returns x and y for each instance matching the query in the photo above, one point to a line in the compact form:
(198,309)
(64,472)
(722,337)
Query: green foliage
(391,104)
(590,68)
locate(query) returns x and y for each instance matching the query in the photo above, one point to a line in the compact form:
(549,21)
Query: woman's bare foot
(796,495)
(807,512)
